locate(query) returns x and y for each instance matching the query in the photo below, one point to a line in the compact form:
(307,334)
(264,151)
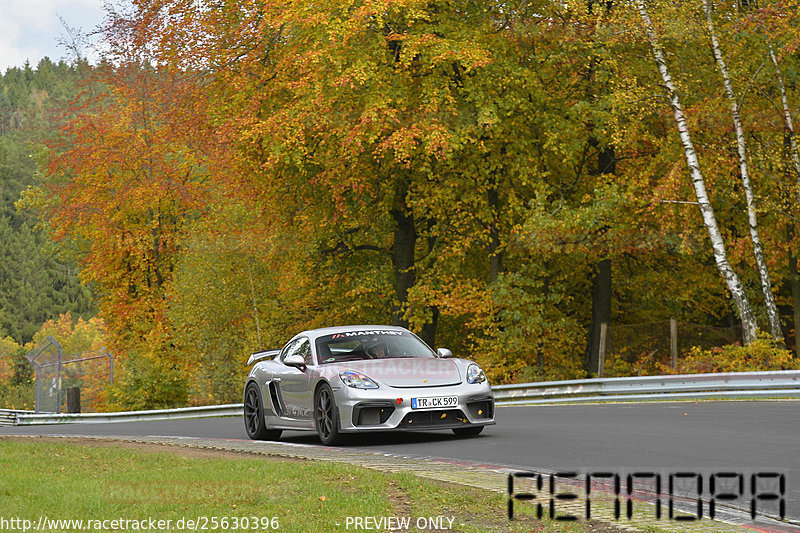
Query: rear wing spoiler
(258,356)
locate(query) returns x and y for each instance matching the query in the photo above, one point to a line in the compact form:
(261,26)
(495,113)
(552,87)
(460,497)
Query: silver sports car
(363,378)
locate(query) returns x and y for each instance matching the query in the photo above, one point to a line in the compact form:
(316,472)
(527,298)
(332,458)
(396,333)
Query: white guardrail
(738,385)
(730,385)
(32,419)
(8,417)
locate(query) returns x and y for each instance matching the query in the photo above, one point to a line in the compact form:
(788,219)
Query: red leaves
(125,178)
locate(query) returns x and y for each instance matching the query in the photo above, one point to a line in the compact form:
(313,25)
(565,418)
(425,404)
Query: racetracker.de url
(199,523)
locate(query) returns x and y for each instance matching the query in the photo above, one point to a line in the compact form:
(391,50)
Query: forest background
(500,177)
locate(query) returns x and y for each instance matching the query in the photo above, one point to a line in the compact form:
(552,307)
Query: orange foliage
(122,182)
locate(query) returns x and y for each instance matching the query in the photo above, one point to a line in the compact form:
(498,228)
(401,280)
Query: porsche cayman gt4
(355,379)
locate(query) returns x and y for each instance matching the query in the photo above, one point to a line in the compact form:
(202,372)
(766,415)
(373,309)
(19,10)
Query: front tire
(468,432)
(326,416)
(254,421)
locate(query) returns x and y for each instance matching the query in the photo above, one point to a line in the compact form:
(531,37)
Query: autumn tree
(122,181)
(476,171)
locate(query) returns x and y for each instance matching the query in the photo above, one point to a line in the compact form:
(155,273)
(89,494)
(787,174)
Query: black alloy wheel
(326,417)
(254,416)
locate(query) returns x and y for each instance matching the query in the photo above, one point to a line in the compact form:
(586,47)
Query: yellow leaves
(288,163)
(7,348)
(762,354)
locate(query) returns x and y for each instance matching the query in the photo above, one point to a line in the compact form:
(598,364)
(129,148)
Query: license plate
(434,402)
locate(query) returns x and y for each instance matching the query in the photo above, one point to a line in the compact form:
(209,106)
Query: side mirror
(444,353)
(296,361)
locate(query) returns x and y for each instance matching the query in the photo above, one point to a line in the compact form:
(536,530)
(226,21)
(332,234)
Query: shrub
(17,395)
(762,354)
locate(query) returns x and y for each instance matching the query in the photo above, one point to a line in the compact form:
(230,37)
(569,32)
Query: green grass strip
(96,483)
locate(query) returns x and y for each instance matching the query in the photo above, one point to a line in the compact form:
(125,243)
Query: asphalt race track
(669,438)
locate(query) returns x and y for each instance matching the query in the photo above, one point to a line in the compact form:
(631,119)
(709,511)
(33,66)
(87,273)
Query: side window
(299,346)
(305,350)
(289,348)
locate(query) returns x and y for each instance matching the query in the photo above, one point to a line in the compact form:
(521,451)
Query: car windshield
(372,344)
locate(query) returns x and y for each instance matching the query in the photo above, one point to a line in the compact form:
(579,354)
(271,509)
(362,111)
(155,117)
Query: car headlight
(357,380)
(475,374)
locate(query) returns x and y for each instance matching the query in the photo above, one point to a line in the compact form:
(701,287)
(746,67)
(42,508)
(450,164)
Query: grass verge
(68,481)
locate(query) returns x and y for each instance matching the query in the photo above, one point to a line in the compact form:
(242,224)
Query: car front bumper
(378,409)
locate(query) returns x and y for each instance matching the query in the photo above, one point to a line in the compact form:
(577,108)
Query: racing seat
(323,352)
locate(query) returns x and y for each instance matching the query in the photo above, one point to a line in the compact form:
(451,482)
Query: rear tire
(254,421)
(468,432)
(326,416)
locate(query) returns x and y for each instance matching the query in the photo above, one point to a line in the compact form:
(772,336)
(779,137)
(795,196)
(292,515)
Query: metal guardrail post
(673,342)
(60,375)
(73,400)
(601,357)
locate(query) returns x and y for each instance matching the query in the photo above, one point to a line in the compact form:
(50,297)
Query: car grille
(434,417)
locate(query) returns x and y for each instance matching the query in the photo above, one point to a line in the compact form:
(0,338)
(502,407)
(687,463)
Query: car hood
(407,373)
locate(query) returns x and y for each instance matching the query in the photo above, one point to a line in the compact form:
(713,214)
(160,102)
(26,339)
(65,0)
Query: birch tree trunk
(709,219)
(789,135)
(744,170)
(787,119)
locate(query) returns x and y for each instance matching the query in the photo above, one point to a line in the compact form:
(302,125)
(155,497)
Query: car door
(295,384)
